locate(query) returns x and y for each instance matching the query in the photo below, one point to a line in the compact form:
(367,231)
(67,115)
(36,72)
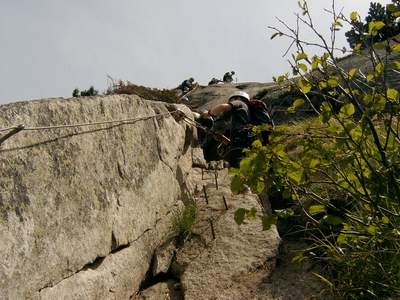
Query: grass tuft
(183,221)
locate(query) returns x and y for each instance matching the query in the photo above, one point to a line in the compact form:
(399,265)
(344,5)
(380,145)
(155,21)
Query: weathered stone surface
(117,276)
(70,197)
(163,257)
(160,291)
(293,280)
(240,257)
(198,158)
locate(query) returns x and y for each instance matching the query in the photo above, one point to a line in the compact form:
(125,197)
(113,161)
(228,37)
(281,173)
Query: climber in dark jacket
(237,111)
(214,81)
(186,85)
(236,119)
(228,77)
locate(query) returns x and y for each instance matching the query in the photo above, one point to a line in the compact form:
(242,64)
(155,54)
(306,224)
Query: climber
(237,117)
(228,77)
(187,85)
(214,81)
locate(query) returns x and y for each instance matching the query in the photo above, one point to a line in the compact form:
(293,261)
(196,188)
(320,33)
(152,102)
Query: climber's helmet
(239,94)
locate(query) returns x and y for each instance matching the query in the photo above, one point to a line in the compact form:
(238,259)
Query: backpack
(259,113)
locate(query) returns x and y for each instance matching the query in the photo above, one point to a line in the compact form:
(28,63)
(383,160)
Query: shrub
(165,95)
(89,92)
(343,172)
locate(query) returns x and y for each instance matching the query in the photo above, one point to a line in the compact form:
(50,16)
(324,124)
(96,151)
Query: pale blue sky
(50,47)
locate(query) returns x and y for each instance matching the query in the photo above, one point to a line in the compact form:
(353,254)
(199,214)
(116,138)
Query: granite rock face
(224,260)
(82,209)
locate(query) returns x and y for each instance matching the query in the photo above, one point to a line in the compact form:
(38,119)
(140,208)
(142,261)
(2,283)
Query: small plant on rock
(183,221)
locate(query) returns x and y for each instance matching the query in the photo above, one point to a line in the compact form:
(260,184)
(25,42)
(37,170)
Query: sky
(50,47)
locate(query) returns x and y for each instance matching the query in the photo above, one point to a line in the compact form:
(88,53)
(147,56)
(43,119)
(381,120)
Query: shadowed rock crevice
(93,265)
(167,281)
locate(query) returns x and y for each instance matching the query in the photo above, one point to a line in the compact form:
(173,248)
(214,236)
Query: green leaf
(391,7)
(395,47)
(246,164)
(374,27)
(356,133)
(298,258)
(333,82)
(322,85)
(372,229)
(296,175)
(296,104)
(379,68)
(342,239)
(354,16)
(379,103)
(316,209)
(326,112)
(347,110)
(302,67)
(392,94)
(370,77)
(352,72)
(314,162)
(305,86)
(357,48)
(279,150)
(396,65)
(257,144)
(301,56)
(332,220)
(251,214)
(396,14)
(233,171)
(314,63)
(260,187)
(239,215)
(268,221)
(236,185)
(385,220)
(379,46)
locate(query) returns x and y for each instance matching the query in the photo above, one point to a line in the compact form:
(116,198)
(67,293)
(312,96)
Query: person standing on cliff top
(228,77)
(187,85)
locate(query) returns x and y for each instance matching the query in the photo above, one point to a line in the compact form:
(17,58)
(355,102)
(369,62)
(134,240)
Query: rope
(122,121)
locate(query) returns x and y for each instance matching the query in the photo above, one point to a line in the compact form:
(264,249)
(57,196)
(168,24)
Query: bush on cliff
(342,169)
(165,95)
(89,92)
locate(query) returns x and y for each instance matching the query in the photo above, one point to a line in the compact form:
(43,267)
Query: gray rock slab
(161,291)
(70,197)
(163,257)
(238,259)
